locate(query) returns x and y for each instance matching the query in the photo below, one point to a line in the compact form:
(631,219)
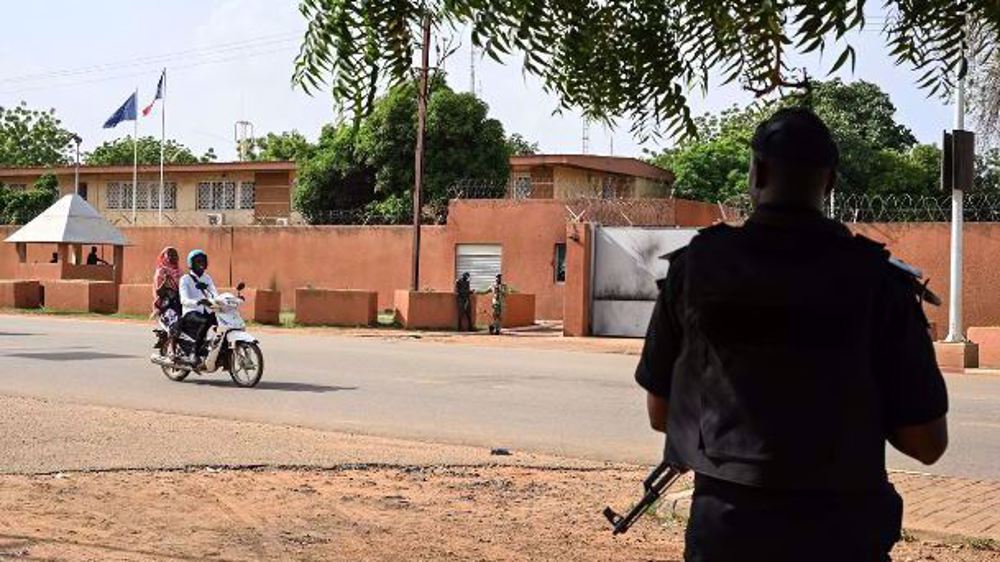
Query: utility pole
(585,148)
(418,163)
(956,332)
(76,167)
(472,68)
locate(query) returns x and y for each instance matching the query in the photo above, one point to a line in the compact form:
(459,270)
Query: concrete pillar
(78,254)
(119,263)
(576,298)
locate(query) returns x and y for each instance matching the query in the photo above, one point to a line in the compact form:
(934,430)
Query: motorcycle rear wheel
(246,364)
(175,374)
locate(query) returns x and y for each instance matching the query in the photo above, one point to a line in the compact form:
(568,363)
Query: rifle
(661,478)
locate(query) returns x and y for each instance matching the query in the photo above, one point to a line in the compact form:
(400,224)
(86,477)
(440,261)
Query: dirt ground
(353,513)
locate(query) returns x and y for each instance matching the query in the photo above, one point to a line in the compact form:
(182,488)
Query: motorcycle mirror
(241,286)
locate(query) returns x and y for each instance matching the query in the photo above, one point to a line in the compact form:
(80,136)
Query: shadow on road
(69,355)
(277,385)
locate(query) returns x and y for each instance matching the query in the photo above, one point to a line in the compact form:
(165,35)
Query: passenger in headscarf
(166,282)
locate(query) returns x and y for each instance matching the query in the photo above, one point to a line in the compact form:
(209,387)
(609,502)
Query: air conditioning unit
(215,219)
(281,222)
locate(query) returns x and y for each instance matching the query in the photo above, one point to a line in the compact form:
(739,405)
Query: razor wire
(889,207)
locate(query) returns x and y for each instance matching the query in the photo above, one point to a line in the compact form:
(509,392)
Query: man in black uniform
(780,358)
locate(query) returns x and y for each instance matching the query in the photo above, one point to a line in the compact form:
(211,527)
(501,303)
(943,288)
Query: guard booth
(70,226)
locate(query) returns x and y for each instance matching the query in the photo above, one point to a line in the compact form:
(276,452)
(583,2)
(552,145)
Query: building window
(115,195)
(142,196)
(17,186)
(127,193)
(216,195)
(204,195)
(247,196)
(169,195)
(522,186)
(82,190)
(229,195)
(559,264)
(608,189)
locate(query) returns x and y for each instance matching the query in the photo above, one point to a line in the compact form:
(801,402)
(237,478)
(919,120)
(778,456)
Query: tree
(520,146)
(290,145)
(630,58)
(877,153)
(333,177)
(32,138)
(372,164)
(119,152)
(19,207)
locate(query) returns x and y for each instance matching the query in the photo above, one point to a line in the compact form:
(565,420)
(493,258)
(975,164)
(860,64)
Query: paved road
(566,403)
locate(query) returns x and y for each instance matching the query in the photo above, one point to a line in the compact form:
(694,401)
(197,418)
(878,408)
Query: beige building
(568,176)
(217,193)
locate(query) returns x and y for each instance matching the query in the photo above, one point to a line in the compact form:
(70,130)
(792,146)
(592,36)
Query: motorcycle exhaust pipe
(161,360)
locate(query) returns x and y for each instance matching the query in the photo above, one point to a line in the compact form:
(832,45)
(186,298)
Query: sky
(232,60)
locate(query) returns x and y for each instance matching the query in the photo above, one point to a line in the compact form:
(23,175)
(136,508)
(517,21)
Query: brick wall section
(315,307)
(426,310)
(81,296)
(19,294)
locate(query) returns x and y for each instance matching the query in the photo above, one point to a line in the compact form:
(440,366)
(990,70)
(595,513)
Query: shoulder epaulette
(914,277)
(872,245)
(717,227)
(670,256)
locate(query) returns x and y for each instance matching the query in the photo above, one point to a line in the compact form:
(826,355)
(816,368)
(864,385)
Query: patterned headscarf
(166,272)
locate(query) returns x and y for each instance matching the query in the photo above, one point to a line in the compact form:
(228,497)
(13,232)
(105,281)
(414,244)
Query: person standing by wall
(463,296)
(499,292)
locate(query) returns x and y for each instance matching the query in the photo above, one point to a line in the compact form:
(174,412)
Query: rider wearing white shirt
(196,288)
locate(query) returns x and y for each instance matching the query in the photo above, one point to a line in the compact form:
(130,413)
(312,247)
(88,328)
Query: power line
(176,67)
(159,60)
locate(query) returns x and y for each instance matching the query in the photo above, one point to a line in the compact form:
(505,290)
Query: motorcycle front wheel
(173,373)
(246,365)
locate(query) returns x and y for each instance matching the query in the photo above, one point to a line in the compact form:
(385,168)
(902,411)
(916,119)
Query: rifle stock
(661,478)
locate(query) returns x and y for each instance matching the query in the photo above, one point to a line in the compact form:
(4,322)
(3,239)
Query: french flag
(159,93)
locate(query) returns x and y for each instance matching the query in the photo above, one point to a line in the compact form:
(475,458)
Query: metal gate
(626,266)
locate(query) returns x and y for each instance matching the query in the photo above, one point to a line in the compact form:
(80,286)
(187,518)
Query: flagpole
(135,155)
(163,138)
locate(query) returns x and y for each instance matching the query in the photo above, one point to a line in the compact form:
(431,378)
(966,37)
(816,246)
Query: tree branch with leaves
(637,59)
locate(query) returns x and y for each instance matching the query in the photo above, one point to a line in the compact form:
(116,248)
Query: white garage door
(480,261)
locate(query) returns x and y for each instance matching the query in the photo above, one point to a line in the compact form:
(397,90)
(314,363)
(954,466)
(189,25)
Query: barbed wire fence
(888,207)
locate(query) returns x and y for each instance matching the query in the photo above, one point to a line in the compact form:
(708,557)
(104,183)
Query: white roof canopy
(70,220)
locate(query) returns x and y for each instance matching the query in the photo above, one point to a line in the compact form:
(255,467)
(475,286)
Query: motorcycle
(229,346)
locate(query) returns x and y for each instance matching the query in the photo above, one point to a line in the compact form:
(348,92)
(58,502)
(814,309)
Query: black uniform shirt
(910,384)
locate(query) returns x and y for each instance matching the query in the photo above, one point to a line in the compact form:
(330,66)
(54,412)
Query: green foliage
(32,138)
(630,58)
(289,145)
(47,182)
(119,152)
(877,153)
(988,171)
(373,164)
(915,171)
(19,207)
(520,146)
(334,177)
